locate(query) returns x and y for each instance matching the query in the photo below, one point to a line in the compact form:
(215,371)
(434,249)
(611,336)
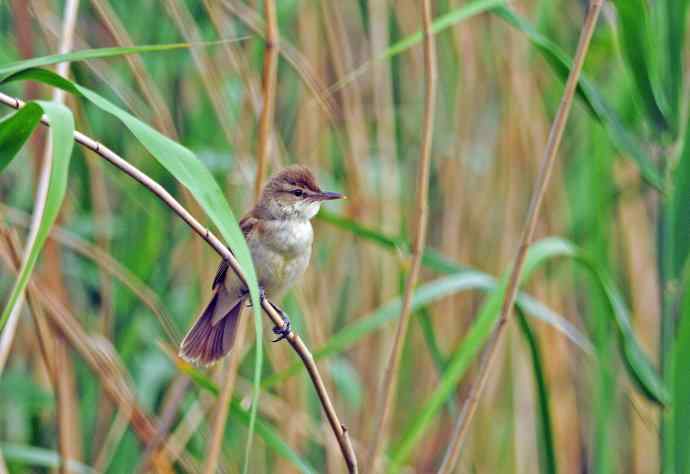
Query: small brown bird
(279,235)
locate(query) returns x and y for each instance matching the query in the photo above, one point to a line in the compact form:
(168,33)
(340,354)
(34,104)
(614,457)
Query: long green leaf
(621,138)
(61,133)
(15,130)
(547,451)
(40,457)
(677,419)
(636,363)
(676,13)
(439,24)
(192,173)
(634,23)
(98,53)
(423,296)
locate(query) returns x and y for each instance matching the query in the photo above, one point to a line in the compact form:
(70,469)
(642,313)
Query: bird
(279,235)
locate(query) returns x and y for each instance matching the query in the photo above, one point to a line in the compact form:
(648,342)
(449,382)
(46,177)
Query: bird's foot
(282,331)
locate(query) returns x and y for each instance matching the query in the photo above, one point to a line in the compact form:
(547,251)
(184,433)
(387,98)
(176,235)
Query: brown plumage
(279,236)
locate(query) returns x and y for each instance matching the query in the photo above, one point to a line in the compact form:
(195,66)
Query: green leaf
(264,429)
(33,456)
(423,295)
(99,53)
(439,24)
(15,130)
(679,211)
(638,366)
(547,451)
(636,39)
(61,133)
(621,138)
(677,418)
(676,16)
(192,173)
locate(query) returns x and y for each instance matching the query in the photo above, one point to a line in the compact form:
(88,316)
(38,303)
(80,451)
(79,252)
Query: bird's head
(293,193)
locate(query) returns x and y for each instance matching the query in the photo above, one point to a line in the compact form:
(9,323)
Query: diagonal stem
(555,135)
(293,339)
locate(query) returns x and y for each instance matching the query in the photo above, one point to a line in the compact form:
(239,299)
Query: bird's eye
(298,193)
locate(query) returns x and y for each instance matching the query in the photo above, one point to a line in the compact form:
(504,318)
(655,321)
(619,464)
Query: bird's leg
(281,331)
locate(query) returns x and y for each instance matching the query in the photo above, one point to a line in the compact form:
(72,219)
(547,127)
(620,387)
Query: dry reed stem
(293,339)
(555,135)
(69,438)
(223,404)
(387,397)
(268,86)
(107,264)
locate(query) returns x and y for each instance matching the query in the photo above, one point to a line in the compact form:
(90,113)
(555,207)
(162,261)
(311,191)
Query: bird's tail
(211,338)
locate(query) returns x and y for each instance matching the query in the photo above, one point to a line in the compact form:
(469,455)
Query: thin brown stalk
(268,86)
(111,374)
(69,436)
(555,135)
(223,404)
(387,396)
(290,54)
(171,405)
(293,339)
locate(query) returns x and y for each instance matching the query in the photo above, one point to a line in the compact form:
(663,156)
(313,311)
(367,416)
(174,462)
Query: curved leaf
(638,366)
(425,295)
(61,132)
(15,130)
(98,53)
(547,451)
(634,22)
(33,456)
(192,173)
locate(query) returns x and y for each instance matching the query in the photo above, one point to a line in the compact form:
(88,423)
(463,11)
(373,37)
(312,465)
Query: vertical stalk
(555,135)
(386,400)
(268,86)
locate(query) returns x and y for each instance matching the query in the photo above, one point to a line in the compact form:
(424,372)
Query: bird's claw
(282,331)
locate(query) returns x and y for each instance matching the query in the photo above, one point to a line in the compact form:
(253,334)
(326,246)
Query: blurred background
(604,301)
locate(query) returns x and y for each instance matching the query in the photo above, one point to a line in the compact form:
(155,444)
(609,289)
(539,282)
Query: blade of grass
(637,365)
(15,130)
(439,24)
(40,457)
(48,204)
(99,53)
(635,24)
(425,295)
(547,450)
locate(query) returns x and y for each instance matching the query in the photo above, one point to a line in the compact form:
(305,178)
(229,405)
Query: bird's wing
(247,225)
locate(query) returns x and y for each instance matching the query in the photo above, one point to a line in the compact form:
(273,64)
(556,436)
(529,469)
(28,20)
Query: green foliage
(15,130)
(61,131)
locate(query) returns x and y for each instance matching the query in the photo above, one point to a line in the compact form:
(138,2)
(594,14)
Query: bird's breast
(281,251)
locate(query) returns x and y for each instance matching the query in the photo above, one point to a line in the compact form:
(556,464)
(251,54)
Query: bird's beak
(328,196)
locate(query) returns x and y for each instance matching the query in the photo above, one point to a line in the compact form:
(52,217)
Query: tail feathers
(209,340)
